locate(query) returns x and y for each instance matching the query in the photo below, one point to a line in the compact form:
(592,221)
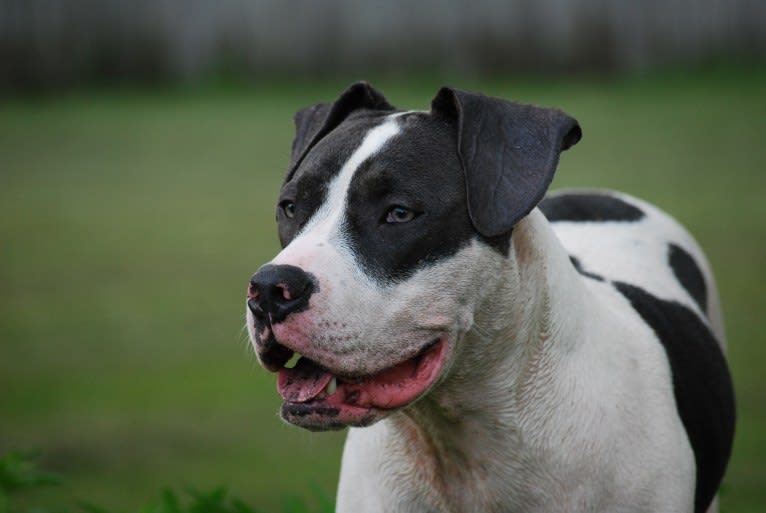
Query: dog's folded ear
(316,121)
(509,152)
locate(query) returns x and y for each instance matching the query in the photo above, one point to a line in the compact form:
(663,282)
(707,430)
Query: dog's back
(664,276)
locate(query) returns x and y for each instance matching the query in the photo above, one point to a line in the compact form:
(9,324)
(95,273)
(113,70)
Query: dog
(493,349)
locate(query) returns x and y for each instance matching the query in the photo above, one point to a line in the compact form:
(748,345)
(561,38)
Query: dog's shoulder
(619,238)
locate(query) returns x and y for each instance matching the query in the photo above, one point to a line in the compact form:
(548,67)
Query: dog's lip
(274,356)
(345,375)
(315,396)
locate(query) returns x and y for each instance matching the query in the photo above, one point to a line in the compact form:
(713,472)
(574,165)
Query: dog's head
(392,226)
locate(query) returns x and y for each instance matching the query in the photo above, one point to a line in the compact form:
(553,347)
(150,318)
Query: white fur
(558,399)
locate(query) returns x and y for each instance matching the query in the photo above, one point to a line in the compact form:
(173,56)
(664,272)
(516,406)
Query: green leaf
(237,506)
(18,470)
(210,502)
(169,503)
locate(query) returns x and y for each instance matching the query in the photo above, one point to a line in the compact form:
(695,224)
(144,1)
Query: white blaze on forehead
(328,217)
(314,248)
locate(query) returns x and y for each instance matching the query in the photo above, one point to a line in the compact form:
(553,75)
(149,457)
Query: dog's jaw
(349,359)
(331,387)
(317,399)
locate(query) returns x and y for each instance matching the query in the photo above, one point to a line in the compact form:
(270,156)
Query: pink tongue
(303,382)
(399,385)
(390,388)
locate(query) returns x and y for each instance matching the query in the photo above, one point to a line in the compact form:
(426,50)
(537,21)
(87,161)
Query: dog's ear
(316,121)
(509,152)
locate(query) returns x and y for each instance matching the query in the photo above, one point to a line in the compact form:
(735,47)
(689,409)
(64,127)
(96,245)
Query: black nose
(278,290)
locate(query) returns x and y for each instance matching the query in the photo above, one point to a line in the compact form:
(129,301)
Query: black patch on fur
(307,185)
(688,274)
(578,266)
(418,169)
(316,121)
(585,207)
(701,384)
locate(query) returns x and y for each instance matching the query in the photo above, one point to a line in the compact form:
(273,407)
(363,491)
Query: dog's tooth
(332,386)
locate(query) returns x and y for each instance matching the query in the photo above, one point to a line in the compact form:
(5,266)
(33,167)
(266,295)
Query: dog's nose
(278,290)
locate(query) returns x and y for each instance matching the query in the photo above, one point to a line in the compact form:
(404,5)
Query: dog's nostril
(252,292)
(282,291)
(286,293)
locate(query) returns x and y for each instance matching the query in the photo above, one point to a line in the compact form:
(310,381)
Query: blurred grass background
(131,220)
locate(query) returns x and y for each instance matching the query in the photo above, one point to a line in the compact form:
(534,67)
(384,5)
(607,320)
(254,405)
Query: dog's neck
(473,429)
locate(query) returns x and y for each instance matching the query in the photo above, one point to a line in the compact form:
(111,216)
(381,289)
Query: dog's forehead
(424,152)
(326,159)
(419,168)
(424,148)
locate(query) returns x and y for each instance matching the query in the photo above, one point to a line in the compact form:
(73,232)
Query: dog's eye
(288,207)
(400,214)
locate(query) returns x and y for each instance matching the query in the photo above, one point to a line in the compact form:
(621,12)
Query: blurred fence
(53,42)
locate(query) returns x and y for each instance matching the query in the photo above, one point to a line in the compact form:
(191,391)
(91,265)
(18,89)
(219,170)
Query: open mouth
(317,399)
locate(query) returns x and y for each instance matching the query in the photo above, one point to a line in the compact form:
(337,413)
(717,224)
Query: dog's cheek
(464,320)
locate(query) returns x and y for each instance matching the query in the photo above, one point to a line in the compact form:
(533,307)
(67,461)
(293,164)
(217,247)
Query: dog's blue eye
(400,215)
(288,207)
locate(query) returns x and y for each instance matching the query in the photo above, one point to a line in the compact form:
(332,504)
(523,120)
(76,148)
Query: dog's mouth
(317,399)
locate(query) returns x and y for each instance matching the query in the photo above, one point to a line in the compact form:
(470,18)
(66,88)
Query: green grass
(130,222)
(20,472)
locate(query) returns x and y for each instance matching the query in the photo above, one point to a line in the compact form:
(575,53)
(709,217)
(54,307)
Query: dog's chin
(318,399)
(315,416)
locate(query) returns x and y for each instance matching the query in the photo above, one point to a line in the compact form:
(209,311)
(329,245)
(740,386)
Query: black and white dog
(498,351)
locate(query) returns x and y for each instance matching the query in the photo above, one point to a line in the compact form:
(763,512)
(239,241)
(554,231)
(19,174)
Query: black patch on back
(593,207)
(578,266)
(701,384)
(688,274)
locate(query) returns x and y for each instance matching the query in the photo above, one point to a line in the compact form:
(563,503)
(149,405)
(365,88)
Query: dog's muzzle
(317,396)
(276,291)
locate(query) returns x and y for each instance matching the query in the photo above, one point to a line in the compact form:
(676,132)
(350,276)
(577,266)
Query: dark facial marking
(701,384)
(307,187)
(419,170)
(578,266)
(583,207)
(688,274)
